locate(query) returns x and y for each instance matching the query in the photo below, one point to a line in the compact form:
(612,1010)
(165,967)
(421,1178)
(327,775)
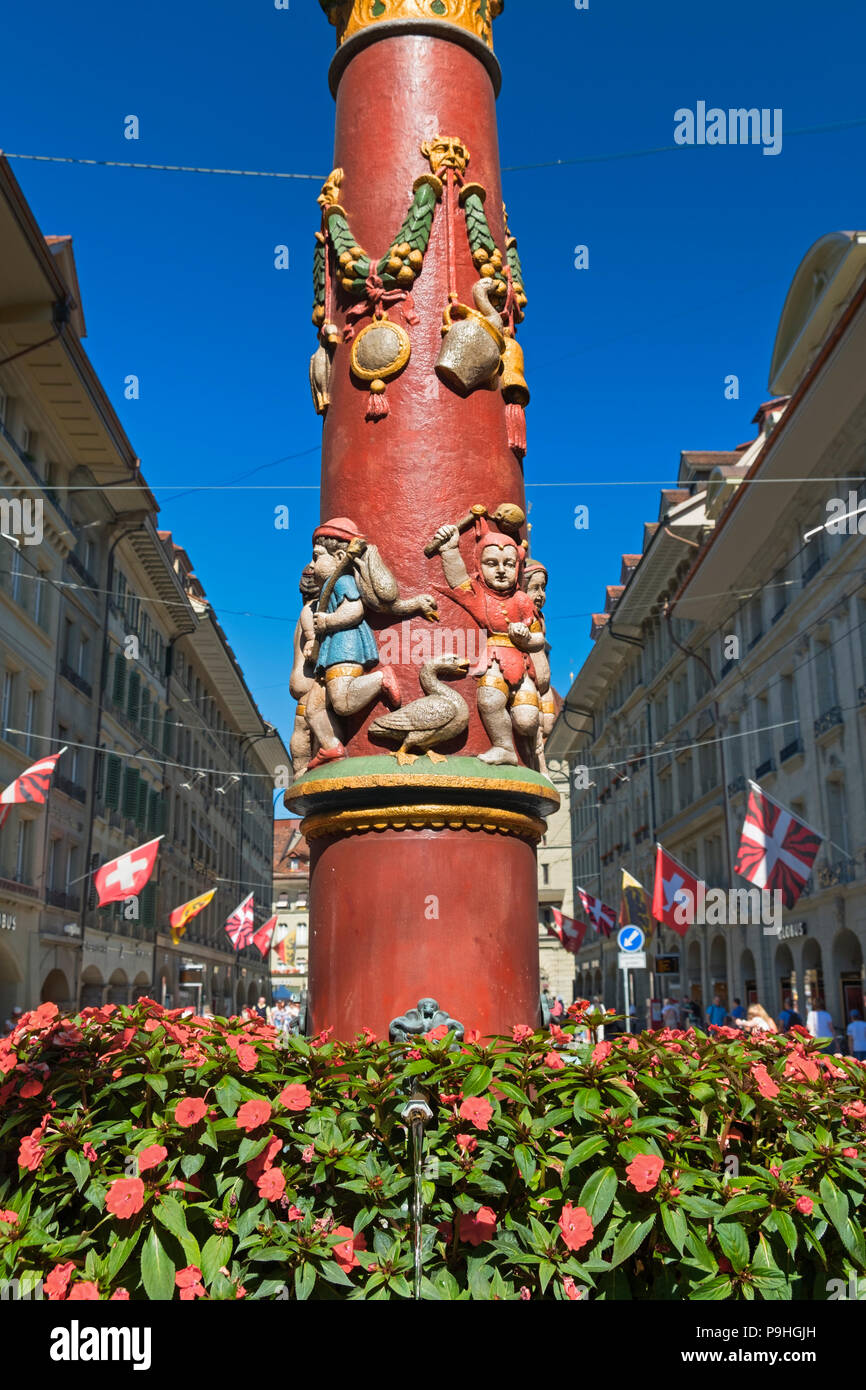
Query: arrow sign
(630,938)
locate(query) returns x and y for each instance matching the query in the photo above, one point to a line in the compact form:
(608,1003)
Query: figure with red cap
(535,584)
(351,576)
(508,699)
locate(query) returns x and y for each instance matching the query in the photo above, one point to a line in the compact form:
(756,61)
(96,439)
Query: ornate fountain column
(419,658)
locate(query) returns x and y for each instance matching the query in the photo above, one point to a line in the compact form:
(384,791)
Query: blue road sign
(630,938)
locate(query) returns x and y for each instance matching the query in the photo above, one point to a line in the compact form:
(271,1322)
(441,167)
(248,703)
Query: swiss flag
(569,932)
(125,876)
(241,924)
(262,938)
(777,850)
(672,878)
(602,917)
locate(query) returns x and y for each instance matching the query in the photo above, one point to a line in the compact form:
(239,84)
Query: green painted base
(381,781)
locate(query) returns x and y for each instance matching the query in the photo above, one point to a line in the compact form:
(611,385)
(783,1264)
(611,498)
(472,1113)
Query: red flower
(294,1213)
(151,1157)
(344,1251)
(85,1291)
(295,1097)
(308,1154)
(30,1151)
(520,1032)
(776,1170)
(805,1205)
(125,1197)
(555,1061)
(846,1153)
(321,1039)
(477,1226)
(119,1296)
(766,1084)
(253,1114)
(558,1034)
(525,1295)
(9,1216)
(571,1289)
(265,1160)
(271,1185)
(221,1223)
(477,1112)
(186,1277)
(368,1035)
(576,1226)
(799,1067)
(447,1099)
(643,1172)
(89,1152)
(413,1055)
(600,1052)
(856,1111)
(189,1111)
(57,1282)
(467,1142)
(247,1057)
(438,1033)
(472,1035)
(31,1088)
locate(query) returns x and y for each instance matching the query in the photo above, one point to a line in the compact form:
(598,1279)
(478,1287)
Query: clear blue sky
(691,254)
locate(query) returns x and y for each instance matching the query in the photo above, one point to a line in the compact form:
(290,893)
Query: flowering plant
(151,1154)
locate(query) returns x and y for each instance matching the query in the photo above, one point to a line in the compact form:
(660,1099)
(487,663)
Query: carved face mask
(445,152)
(499,568)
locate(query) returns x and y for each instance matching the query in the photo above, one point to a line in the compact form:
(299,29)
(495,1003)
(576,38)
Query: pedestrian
(717,1013)
(757,1020)
(261,1008)
(857,1036)
(789,1018)
(820,1024)
(670,1013)
(737,1011)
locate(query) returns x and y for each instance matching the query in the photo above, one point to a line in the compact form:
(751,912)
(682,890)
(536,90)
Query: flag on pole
(241,924)
(182,914)
(31,786)
(672,879)
(262,938)
(283,949)
(777,849)
(125,876)
(634,907)
(602,917)
(569,932)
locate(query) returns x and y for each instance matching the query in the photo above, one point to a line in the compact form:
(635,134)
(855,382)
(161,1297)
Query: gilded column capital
(475,17)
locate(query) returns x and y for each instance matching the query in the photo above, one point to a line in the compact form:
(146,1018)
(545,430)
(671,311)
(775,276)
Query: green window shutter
(145,713)
(159,825)
(147,905)
(133,695)
(119,679)
(168,735)
(141,809)
(130,793)
(154,801)
(100,774)
(112,782)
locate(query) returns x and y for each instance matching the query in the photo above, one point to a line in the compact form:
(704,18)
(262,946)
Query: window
(119,683)
(825,675)
(788,696)
(8,702)
(15,575)
(23,851)
(30,720)
(837,821)
(112,782)
(54,851)
(83,655)
(39,598)
(71,867)
(762,722)
(545,874)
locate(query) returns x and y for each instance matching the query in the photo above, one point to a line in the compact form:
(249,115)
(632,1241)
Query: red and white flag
(777,850)
(125,876)
(675,888)
(262,938)
(31,786)
(602,917)
(241,924)
(568,932)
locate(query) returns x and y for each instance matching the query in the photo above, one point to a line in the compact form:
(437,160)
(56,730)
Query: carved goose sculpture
(440,715)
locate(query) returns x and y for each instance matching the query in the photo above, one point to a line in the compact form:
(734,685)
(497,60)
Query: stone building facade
(733,650)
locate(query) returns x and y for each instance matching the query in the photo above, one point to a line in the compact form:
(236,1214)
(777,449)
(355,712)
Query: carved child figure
(535,583)
(313,726)
(508,699)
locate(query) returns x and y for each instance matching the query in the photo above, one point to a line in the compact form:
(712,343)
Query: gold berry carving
(494,820)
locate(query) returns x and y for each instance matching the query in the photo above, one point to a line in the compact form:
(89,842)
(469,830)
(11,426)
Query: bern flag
(777,850)
(241,924)
(31,786)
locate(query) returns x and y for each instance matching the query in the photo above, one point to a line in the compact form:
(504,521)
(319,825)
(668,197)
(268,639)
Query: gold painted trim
(494,820)
(351,17)
(343,668)
(397,363)
(371,781)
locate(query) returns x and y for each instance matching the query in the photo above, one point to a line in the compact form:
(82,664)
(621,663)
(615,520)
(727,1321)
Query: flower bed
(148,1154)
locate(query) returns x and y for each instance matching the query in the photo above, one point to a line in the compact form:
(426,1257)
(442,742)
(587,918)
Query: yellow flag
(182,914)
(635,905)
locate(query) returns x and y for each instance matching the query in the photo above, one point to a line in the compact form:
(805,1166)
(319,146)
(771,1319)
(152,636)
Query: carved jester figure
(508,699)
(350,577)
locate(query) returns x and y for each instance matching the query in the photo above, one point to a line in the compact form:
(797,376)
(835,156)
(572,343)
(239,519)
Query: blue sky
(691,254)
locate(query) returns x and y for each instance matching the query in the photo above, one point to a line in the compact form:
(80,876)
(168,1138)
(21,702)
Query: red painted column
(423,880)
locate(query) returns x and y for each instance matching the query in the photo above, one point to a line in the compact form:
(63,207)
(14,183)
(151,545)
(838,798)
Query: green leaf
(700,1254)
(835,1204)
(78,1166)
(334,1274)
(587,1102)
(597,1194)
(525,1161)
(120,1251)
(216,1253)
(629,1237)
(713,1289)
(190,1164)
(228,1095)
(587,1149)
(734,1243)
(787,1230)
(169,1211)
(674,1222)
(157,1269)
(478,1080)
(157,1082)
(305,1281)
